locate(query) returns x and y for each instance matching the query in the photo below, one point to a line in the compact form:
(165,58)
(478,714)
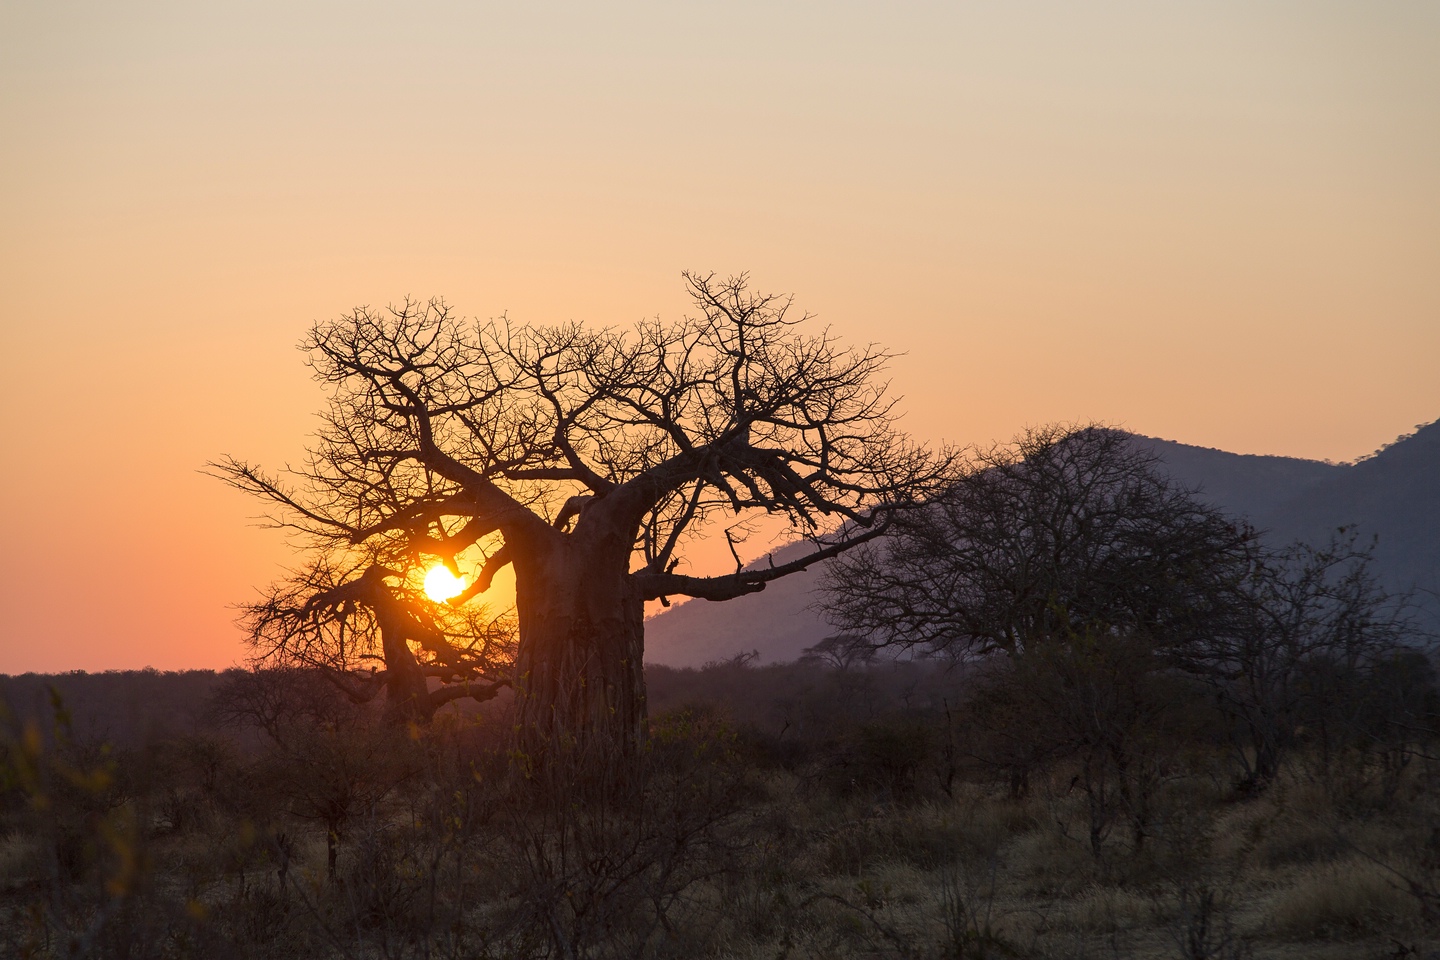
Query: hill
(1246,485)
(1393,495)
(778,622)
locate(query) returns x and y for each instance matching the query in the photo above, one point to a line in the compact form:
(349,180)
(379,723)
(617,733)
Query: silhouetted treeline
(124,707)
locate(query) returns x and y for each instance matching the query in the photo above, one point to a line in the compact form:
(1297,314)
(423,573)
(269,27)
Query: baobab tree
(588,460)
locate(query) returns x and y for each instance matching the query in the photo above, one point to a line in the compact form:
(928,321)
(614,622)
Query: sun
(441,584)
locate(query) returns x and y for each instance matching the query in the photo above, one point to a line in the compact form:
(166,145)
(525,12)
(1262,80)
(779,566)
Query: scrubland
(794,811)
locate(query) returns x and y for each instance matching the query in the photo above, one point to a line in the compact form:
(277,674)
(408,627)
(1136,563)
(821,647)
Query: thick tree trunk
(407,694)
(580,682)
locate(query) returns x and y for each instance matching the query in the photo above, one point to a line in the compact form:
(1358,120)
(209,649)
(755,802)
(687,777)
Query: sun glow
(441,584)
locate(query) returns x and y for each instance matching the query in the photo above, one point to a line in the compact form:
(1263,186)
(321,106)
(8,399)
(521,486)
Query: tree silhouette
(1072,559)
(343,618)
(1066,532)
(1322,649)
(589,460)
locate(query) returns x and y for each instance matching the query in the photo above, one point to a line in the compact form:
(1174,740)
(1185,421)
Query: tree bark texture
(579,678)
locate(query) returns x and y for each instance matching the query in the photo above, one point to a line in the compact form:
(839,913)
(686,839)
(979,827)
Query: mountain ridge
(1393,494)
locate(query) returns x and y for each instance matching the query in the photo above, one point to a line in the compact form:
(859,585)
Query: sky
(1216,223)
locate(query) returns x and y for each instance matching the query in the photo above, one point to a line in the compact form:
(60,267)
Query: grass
(1343,898)
(734,859)
(1281,871)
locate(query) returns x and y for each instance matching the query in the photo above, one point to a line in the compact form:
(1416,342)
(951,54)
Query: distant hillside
(1394,495)
(1243,484)
(777,621)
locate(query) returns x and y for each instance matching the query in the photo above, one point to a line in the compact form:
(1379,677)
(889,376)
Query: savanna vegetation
(1068,710)
(814,809)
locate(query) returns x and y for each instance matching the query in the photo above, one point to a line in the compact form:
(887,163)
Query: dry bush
(1201,922)
(613,862)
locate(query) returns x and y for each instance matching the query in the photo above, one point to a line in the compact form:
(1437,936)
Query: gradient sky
(1217,223)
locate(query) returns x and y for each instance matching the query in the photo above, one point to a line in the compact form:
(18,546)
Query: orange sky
(1215,224)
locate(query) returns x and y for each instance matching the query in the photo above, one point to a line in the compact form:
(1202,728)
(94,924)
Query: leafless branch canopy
(1067,531)
(445,435)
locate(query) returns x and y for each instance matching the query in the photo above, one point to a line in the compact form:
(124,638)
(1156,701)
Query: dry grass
(1109,909)
(1284,870)
(1343,898)
(830,878)
(19,857)
(801,869)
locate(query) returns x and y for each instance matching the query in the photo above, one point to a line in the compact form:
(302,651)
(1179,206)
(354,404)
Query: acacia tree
(588,460)
(1067,531)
